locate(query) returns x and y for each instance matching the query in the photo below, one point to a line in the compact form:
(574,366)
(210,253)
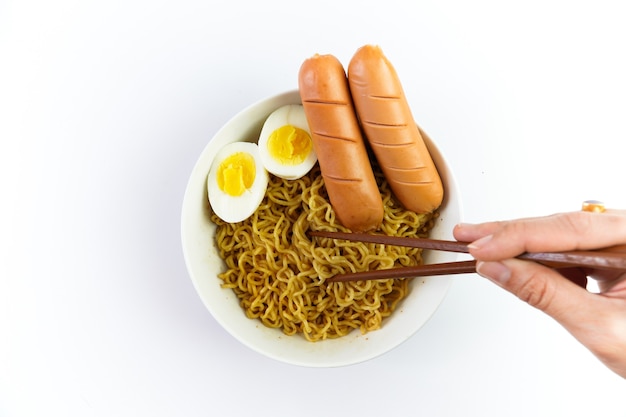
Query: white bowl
(203,263)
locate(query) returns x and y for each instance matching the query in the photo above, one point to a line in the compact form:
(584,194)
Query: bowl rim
(273,343)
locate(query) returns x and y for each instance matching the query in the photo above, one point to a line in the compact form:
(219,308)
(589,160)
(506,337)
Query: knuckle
(536,291)
(512,235)
(585,225)
(579,222)
(523,236)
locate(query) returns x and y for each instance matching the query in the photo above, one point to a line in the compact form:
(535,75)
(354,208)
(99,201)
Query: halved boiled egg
(237,181)
(285,143)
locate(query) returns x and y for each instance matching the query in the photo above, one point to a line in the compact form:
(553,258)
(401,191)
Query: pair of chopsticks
(613,258)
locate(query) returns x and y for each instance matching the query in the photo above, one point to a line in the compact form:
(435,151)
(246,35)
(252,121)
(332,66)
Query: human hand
(598,321)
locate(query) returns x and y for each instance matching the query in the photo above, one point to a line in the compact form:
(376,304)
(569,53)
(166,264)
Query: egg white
(229,208)
(291,114)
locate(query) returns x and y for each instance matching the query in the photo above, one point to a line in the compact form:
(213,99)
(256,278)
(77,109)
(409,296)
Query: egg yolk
(236,174)
(289,145)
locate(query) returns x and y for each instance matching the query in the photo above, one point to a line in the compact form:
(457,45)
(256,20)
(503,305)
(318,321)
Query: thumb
(542,288)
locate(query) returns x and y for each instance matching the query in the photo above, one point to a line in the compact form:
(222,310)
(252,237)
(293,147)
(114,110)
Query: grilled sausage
(339,144)
(392,133)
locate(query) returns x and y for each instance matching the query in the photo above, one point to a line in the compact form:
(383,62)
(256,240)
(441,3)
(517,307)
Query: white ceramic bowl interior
(203,263)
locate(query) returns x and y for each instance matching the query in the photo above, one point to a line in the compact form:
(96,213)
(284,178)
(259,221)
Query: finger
(560,232)
(466,232)
(597,321)
(542,288)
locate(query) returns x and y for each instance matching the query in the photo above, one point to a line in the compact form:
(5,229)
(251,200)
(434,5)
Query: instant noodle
(278,272)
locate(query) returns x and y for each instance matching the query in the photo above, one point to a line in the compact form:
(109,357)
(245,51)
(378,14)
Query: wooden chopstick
(613,258)
(409,242)
(448,268)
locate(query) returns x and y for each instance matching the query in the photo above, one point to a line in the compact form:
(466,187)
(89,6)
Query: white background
(104,108)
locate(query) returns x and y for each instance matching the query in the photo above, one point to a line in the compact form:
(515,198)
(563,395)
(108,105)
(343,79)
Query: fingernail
(495,271)
(480,242)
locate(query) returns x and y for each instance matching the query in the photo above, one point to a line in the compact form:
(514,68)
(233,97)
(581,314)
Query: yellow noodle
(278,272)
